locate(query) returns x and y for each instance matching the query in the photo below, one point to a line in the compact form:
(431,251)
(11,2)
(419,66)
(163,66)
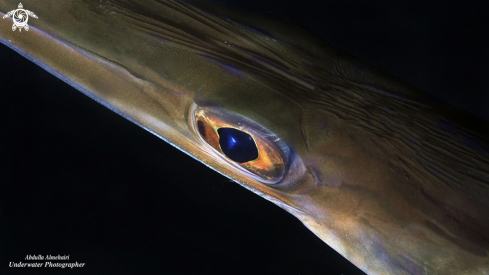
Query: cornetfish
(392,180)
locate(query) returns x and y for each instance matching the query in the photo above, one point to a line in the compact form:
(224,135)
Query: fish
(444,126)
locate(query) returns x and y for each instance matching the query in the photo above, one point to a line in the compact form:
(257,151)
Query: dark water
(77,179)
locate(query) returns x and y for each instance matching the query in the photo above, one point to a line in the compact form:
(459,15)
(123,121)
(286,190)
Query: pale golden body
(395,183)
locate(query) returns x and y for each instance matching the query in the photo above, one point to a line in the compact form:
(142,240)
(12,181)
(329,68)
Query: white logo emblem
(20,17)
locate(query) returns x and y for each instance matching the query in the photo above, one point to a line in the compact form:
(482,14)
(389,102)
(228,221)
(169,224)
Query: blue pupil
(237,145)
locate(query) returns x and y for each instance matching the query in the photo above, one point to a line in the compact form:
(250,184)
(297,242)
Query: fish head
(336,142)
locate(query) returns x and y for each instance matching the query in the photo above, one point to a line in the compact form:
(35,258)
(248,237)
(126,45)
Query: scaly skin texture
(396,183)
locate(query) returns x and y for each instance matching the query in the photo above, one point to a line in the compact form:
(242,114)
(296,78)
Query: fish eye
(243,143)
(237,145)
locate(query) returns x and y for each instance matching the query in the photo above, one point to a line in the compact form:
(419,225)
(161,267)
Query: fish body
(392,180)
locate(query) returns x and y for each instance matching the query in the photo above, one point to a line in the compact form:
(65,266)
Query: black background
(77,179)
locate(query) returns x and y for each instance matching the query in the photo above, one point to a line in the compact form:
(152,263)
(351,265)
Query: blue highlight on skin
(230,70)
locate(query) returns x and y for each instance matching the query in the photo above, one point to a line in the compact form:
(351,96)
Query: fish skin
(389,143)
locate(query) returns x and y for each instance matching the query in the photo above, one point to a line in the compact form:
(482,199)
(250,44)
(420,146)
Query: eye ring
(271,164)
